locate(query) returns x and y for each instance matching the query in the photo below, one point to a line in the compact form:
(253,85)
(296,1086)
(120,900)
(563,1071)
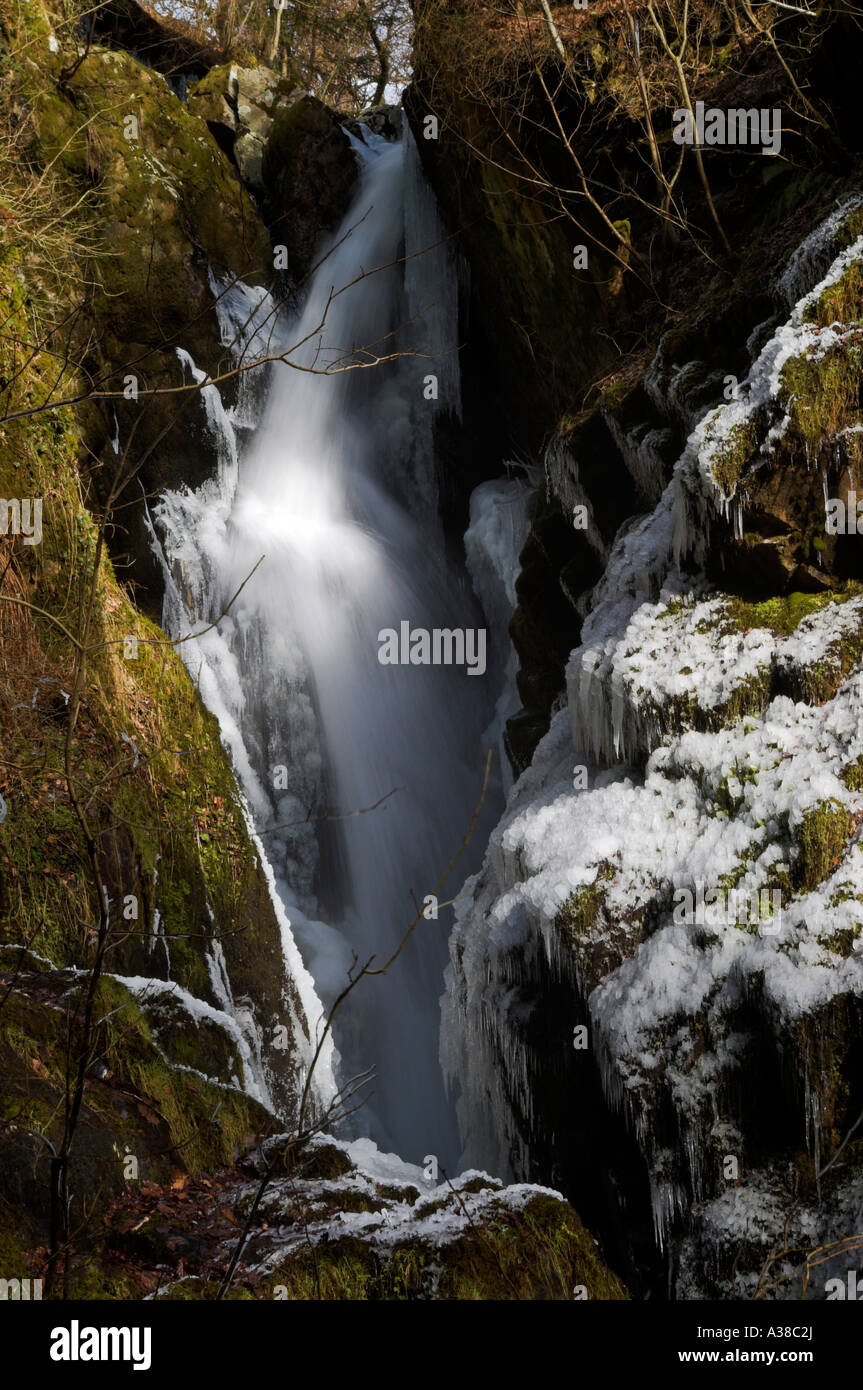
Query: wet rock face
(309,172)
(545,625)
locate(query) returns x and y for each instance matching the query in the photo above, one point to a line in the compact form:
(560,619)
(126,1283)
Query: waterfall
(335,487)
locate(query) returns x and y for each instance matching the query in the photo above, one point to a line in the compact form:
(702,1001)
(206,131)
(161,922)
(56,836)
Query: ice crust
(694,774)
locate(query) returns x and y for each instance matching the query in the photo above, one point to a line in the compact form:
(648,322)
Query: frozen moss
(578,914)
(729,459)
(542,1252)
(821,837)
(822,392)
(783,614)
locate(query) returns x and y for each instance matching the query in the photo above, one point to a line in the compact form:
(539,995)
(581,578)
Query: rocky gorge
(647,406)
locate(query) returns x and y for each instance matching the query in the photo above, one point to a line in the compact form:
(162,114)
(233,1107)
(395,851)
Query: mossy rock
(241,99)
(578,914)
(729,462)
(212,100)
(823,390)
(852,775)
(822,838)
(184,859)
(94,1278)
(192,1039)
(541,1252)
(170,201)
(783,614)
(324,1162)
(208,1123)
(394,1192)
(598,940)
(170,211)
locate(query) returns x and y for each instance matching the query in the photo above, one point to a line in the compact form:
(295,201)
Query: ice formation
(700,767)
(334,486)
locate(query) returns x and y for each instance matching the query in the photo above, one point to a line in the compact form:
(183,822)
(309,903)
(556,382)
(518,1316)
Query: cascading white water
(337,491)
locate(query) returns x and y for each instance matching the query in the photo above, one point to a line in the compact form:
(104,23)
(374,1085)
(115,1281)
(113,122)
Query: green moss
(342,1270)
(852,776)
(169,175)
(93,1279)
(182,847)
(729,460)
(542,1252)
(434,1205)
(821,837)
(578,914)
(681,712)
(730,795)
(324,1162)
(814,682)
(782,615)
(208,1124)
(842,941)
(616,393)
(842,302)
(479,1184)
(394,1193)
(822,394)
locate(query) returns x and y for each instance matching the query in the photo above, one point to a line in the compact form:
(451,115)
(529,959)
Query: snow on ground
(410,1208)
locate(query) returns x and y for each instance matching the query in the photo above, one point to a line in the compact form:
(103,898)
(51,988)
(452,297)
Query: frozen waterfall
(335,488)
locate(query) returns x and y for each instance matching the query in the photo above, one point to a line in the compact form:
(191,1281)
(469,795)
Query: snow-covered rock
(677,876)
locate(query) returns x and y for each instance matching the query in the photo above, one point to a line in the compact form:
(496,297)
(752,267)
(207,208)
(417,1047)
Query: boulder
(290,150)
(309,171)
(381,120)
(239,105)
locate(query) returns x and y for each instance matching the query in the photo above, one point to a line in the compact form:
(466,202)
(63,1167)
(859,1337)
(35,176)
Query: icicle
(738,519)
